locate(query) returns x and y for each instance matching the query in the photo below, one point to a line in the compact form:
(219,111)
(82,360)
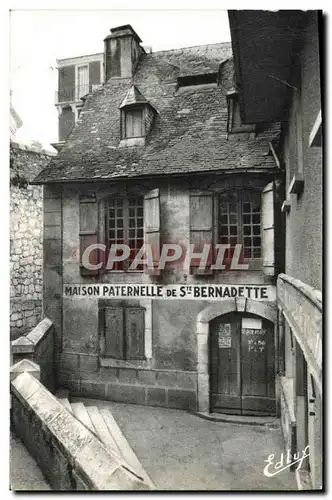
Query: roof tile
(189,134)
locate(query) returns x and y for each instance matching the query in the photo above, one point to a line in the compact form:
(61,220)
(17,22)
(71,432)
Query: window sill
(297,184)
(132,142)
(121,363)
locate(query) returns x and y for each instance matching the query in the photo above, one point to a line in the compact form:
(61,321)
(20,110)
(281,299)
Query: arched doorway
(223,350)
(242,368)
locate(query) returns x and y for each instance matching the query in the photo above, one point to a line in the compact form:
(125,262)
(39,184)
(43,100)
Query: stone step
(66,404)
(127,452)
(103,432)
(80,412)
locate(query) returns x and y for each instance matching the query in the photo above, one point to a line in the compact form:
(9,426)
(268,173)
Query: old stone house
(160,155)
(284,84)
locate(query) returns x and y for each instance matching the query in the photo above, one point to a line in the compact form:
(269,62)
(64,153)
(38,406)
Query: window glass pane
(239,221)
(256,252)
(247,253)
(123,226)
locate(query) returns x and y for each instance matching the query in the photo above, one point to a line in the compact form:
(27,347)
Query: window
(203,79)
(123,332)
(234,124)
(125,225)
(239,222)
(82,79)
(134,123)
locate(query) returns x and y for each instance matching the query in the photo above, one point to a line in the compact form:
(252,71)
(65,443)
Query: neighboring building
(278,76)
(26,238)
(78,76)
(159,154)
(15,121)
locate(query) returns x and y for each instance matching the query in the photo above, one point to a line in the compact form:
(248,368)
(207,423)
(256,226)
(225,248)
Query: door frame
(267,310)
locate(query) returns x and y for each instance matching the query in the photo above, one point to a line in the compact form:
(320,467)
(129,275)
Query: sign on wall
(187,292)
(224,336)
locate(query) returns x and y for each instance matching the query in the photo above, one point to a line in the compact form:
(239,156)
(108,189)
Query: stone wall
(26,233)
(38,346)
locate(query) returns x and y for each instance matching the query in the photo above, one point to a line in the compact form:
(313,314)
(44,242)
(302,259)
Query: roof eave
(263,66)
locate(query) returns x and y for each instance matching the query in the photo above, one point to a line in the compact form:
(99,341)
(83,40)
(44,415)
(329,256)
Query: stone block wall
(26,233)
(38,346)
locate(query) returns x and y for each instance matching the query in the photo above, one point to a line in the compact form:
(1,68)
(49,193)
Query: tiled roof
(133,96)
(188,135)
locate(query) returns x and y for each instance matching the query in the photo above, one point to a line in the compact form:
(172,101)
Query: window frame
(125,228)
(255,263)
(124,114)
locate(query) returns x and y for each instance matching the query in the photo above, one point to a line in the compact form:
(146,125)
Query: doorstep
(272,422)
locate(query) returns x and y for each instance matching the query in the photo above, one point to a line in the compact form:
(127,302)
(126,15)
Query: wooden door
(225,374)
(242,365)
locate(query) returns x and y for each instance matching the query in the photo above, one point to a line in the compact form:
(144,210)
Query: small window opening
(186,81)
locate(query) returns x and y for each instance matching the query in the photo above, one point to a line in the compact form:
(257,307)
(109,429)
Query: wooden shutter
(88,231)
(134,123)
(268,247)
(135,333)
(152,227)
(201,226)
(114,332)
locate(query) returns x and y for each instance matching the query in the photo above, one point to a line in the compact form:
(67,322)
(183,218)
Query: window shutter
(135,333)
(88,231)
(134,123)
(152,227)
(268,249)
(201,226)
(114,338)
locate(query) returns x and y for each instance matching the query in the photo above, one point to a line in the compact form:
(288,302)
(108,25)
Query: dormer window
(137,116)
(234,122)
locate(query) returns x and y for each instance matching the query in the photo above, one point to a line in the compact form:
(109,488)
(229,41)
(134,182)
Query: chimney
(122,52)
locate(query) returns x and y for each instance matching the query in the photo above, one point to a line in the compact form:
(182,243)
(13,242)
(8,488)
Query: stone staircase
(102,424)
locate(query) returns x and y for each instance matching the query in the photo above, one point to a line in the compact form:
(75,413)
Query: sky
(39,37)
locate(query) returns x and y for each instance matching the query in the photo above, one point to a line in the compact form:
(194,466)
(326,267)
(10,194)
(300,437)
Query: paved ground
(24,472)
(182,451)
